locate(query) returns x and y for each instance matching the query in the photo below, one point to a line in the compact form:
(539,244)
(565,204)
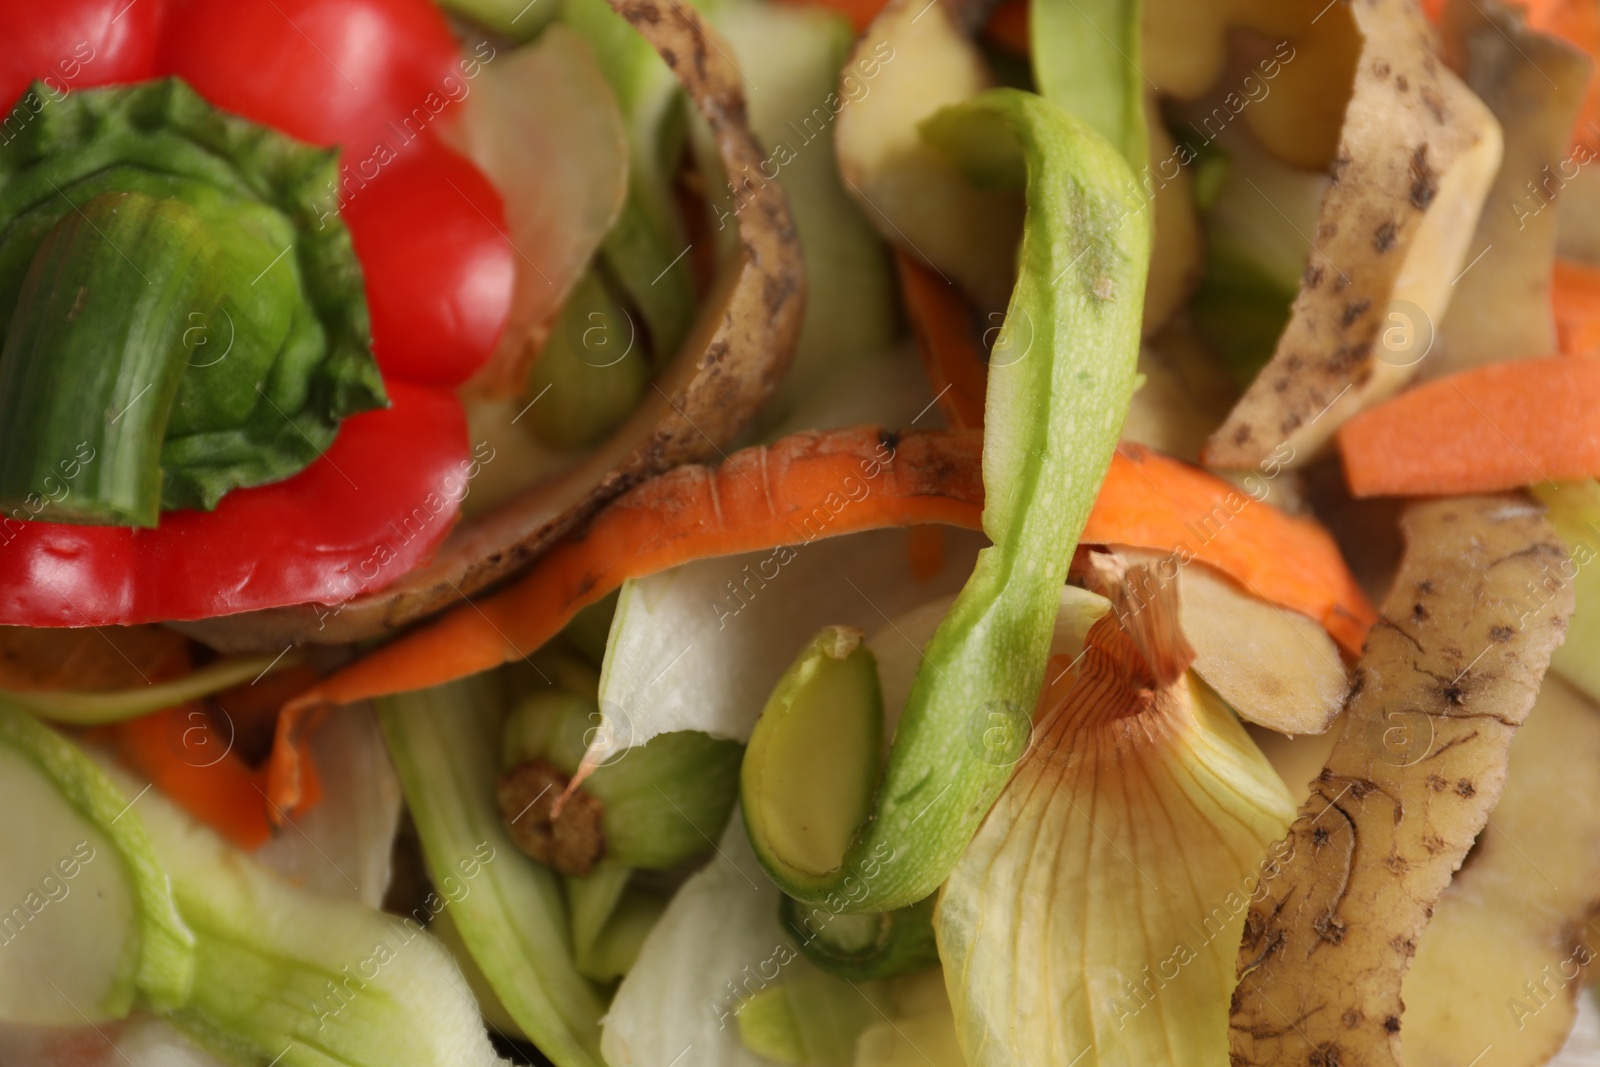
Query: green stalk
(864,947)
(1061,375)
(245,295)
(445,744)
(1086,59)
(102,329)
(644,247)
(99,708)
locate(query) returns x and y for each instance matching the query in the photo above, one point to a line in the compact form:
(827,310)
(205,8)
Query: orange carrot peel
(1481,431)
(1575,293)
(951,357)
(827,484)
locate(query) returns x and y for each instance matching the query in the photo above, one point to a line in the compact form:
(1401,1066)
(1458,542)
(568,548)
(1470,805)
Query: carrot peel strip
(186,757)
(823,485)
(951,357)
(1484,430)
(1153,501)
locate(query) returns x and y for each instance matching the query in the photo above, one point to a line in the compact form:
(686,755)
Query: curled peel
(1416,157)
(730,364)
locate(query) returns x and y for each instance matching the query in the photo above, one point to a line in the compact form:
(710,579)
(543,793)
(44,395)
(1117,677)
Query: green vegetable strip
(519,20)
(96,351)
(643,250)
(295,978)
(1086,59)
(595,366)
(288,352)
(445,743)
(1060,379)
(95,708)
(160,960)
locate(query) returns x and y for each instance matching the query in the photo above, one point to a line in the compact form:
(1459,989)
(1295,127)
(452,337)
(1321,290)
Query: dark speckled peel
(1416,156)
(1449,674)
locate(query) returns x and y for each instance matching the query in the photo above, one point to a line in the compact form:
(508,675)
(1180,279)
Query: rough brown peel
(1449,673)
(1534,83)
(740,347)
(1416,156)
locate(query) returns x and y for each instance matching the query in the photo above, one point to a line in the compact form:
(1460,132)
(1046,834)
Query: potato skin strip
(1450,672)
(1416,157)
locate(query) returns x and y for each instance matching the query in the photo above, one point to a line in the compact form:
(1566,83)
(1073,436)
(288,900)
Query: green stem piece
(1086,60)
(512,918)
(865,946)
(101,327)
(98,708)
(1061,375)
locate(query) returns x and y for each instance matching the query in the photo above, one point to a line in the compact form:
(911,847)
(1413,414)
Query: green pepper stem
(94,356)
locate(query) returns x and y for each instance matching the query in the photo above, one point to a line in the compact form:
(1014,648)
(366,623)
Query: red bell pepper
(379,78)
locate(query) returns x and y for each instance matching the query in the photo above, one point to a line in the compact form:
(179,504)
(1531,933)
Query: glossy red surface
(373,507)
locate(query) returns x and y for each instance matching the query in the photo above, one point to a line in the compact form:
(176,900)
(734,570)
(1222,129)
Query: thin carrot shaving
(1481,431)
(1576,296)
(1153,501)
(951,356)
(188,758)
(826,484)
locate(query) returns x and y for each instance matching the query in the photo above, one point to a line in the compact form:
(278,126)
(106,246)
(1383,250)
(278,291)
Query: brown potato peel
(1416,156)
(741,346)
(1450,672)
(1534,83)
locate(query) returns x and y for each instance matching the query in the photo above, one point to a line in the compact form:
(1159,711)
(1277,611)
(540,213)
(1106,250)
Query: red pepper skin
(379,78)
(429,230)
(430,236)
(74,44)
(375,506)
(332,72)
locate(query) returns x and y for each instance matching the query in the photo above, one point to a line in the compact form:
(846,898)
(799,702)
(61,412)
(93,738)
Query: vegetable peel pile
(833,533)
